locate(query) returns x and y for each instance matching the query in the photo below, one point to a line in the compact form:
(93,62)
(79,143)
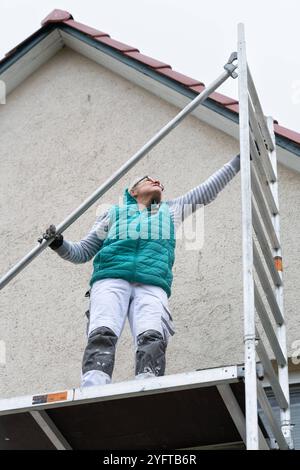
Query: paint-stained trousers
(111,302)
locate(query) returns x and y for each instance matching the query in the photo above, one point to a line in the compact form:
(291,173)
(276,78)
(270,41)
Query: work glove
(50,232)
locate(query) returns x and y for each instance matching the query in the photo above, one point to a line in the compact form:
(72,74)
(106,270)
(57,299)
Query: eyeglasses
(148,178)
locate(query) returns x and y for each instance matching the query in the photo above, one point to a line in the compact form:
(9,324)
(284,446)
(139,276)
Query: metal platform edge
(128,389)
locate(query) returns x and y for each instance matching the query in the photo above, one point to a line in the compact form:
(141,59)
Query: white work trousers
(112,301)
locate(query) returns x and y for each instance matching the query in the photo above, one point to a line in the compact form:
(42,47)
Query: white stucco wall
(62,134)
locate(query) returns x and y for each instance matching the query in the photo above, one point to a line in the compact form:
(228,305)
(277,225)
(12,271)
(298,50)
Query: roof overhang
(47,41)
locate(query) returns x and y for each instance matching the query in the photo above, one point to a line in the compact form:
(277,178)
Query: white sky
(193,36)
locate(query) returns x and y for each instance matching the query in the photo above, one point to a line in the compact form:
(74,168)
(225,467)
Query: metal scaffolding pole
(283,373)
(249,312)
(18,267)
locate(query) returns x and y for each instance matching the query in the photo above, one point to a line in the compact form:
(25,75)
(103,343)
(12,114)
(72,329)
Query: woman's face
(148,187)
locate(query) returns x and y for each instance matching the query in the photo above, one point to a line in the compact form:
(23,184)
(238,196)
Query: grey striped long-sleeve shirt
(203,194)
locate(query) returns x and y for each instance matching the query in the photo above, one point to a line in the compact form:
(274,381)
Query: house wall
(63,133)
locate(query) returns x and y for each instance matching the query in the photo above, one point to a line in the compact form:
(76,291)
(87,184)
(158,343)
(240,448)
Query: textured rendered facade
(63,132)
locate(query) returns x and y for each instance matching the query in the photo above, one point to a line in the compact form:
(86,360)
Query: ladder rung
(264,154)
(268,327)
(266,407)
(265,248)
(259,112)
(265,214)
(262,275)
(274,382)
(265,187)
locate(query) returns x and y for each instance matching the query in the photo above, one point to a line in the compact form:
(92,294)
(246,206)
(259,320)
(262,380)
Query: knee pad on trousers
(150,353)
(99,353)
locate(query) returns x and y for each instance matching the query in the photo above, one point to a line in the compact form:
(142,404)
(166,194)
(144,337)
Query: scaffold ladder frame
(260,215)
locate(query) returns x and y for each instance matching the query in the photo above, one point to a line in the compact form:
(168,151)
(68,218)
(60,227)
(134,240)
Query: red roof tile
(197,88)
(119,46)
(222,99)
(153,63)
(179,77)
(61,16)
(233,107)
(85,29)
(57,16)
(284,132)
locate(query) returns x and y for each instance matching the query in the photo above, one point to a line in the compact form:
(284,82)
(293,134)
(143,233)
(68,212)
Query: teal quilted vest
(140,245)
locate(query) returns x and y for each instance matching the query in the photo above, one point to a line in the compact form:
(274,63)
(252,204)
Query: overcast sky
(193,36)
